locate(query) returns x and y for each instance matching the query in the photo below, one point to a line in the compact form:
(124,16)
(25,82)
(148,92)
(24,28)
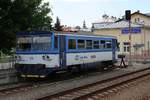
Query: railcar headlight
(47,57)
(18,57)
(15,57)
(43,57)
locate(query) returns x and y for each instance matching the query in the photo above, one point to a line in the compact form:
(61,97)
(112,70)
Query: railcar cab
(35,51)
(34,42)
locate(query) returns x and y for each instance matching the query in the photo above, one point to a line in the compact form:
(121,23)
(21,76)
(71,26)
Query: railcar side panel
(89,57)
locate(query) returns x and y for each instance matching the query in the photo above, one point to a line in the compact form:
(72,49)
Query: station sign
(134,30)
(138,45)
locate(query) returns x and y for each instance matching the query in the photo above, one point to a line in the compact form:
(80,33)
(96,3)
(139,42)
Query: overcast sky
(74,12)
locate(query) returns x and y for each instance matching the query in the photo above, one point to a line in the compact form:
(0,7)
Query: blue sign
(133,30)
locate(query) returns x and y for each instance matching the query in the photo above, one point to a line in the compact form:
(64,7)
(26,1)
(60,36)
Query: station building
(140,33)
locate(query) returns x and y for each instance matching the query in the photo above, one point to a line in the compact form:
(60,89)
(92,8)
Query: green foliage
(57,25)
(21,15)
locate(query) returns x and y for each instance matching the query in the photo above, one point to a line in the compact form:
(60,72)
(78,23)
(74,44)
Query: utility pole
(128,18)
(130,44)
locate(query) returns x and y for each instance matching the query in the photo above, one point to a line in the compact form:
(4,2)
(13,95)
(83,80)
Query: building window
(138,19)
(81,44)
(126,47)
(88,44)
(72,44)
(135,20)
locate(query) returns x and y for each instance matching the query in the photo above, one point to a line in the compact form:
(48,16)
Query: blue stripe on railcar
(70,51)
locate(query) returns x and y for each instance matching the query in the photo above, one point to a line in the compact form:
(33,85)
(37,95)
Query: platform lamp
(128,18)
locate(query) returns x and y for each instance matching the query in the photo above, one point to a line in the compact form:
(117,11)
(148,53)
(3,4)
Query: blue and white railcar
(40,53)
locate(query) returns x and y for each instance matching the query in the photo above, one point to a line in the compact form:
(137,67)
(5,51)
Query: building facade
(140,33)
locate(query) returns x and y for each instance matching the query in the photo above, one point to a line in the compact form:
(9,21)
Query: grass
(5,59)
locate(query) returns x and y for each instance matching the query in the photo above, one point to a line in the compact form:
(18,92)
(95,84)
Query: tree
(105,17)
(78,27)
(113,18)
(84,25)
(57,26)
(92,28)
(21,15)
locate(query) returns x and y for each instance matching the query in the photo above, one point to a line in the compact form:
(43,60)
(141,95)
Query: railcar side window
(102,43)
(81,44)
(56,42)
(88,44)
(72,44)
(96,44)
(108,44)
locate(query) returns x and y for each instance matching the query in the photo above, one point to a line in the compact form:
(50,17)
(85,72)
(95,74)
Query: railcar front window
(41,43)
(24,43)
(35,43)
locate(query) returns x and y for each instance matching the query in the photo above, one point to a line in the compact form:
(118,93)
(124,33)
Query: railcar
(40,53)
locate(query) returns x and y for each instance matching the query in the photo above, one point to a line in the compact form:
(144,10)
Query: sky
(74,12)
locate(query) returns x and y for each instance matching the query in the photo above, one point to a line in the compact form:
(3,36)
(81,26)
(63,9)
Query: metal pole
(144,45)
(148,47)
(130,44)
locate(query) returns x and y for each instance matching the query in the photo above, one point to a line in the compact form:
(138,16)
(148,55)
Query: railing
(7,62)
(143,57)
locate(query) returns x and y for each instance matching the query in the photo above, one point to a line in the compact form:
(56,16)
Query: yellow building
(140,33)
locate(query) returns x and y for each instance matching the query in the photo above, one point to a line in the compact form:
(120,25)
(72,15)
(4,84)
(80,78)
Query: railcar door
(62,51)
(114,43)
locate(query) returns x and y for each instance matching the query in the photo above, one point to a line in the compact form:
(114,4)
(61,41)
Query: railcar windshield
(33,43)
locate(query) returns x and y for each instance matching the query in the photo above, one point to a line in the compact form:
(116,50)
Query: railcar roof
(85,34)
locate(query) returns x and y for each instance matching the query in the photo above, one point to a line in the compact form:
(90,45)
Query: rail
(84,91)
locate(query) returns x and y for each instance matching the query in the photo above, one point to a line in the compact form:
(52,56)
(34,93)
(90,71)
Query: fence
(144,57)
(7,62)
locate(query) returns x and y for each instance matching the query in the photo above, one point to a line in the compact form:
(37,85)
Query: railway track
(86,91)
(15,89)
(27,86)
